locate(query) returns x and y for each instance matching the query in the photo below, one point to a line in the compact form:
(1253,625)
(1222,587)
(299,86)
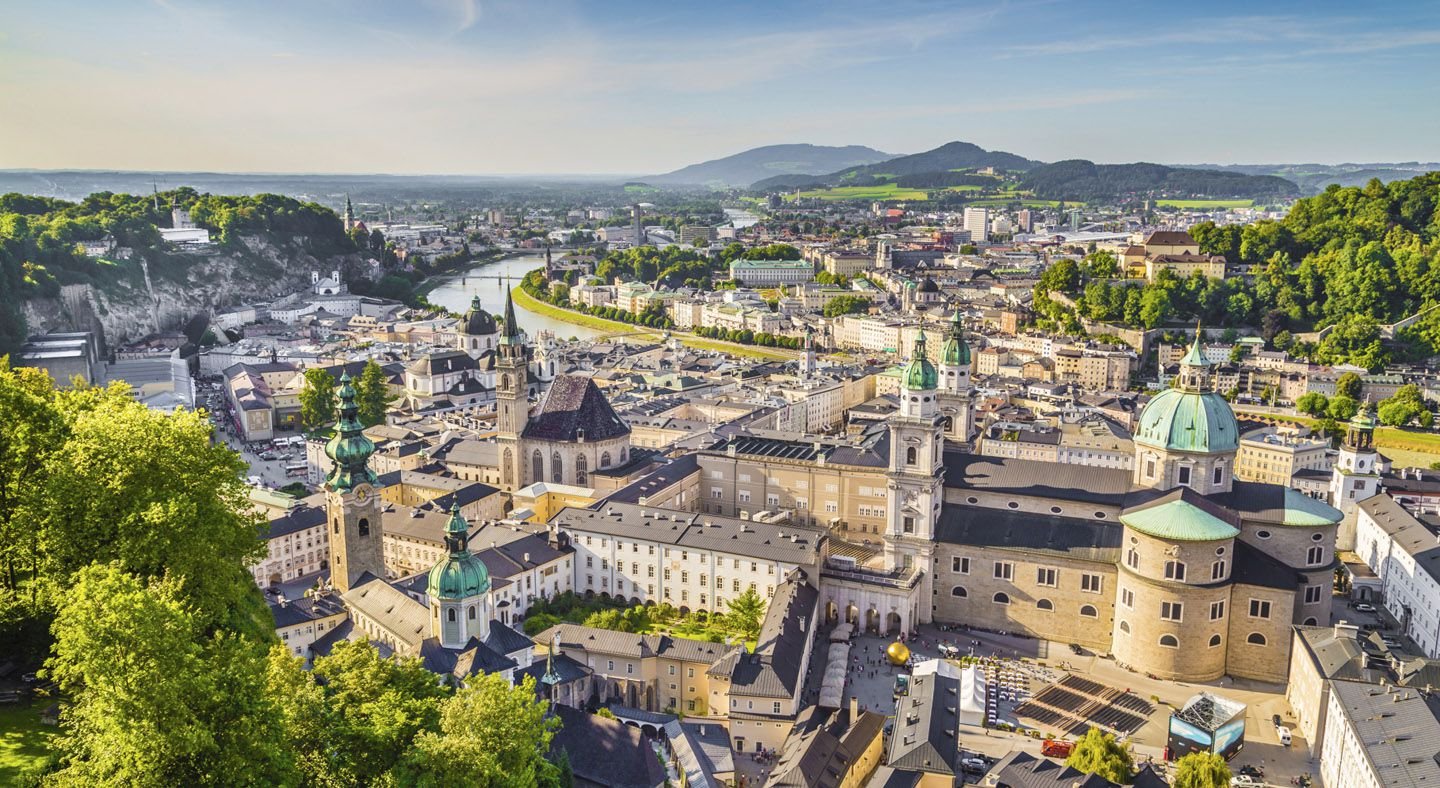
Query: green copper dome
(1192,421)
(920,374)
(956,353)
(1364,418)
(461,574)
(1179,521)
(349,450)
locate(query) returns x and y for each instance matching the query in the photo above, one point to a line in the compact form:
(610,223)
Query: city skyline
(470,87)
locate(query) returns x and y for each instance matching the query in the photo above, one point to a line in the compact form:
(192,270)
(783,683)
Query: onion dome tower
(459,589)
(1187,434)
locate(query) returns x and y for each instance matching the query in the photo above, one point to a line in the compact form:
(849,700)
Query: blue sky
(535,86)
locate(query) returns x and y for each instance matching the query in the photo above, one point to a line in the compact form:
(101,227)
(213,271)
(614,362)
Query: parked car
(1076,650)
(1283,733)
(1365,607)
(1056,748)
(975,765)
(1245,781)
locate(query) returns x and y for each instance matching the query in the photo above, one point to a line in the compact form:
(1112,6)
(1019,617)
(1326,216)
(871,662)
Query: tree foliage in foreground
(1097,752)
(1201,770)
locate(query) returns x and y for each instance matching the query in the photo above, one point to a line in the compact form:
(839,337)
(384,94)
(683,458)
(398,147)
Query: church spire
(510,334)
(349,450)
(456,531)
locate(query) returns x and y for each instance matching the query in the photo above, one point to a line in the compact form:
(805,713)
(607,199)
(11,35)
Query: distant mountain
(1078,179)
(1315,177)
(947,157)
(758,163)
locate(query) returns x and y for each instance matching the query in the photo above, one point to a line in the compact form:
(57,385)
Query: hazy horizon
(627,89)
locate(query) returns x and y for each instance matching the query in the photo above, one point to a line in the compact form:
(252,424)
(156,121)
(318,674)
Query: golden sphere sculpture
(898,653)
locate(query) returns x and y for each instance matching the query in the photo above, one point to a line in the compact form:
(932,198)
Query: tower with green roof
(351,502)
(1356,474)
(1187,435)
(957,397)
(914,491)
(458,589)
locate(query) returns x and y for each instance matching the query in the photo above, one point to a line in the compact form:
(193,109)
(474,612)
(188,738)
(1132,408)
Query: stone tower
(351,503)
(957,396)
(1355,476)
(914,491)
(458,590)
(512,404)
(807,361)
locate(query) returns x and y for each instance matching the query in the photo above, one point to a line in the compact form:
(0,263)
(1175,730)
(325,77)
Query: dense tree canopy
(1099,753)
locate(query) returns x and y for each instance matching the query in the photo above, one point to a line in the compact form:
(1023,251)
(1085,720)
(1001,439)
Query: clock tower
(512,403)
(916,468)
(351,503)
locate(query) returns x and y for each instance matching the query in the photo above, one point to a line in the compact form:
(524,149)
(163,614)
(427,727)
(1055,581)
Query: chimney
(854,708)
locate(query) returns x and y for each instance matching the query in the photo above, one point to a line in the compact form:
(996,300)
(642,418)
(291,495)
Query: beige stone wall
(851,501)
(1064,623)
(1268,661)
(1306,693)
(1289,544)
(1187,649)
(747,731)
(593,451)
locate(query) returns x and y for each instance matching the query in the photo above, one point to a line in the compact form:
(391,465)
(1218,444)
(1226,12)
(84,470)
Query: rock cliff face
(161,291)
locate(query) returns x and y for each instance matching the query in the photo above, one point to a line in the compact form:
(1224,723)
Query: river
(456,294)
(741,218)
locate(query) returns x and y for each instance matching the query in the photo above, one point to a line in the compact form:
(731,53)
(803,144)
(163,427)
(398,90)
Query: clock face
(362,493)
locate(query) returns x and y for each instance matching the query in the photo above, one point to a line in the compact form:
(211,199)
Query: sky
(562,86)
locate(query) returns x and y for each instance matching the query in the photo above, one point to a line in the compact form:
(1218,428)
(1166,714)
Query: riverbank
(445,277)
(615,327)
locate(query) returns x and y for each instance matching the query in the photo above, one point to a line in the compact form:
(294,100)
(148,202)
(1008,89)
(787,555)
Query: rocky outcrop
(160,291)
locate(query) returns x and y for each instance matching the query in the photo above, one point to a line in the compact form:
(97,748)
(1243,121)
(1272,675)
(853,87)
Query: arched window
(507,467)
(470,614)
(557,468)
(450,615)
(949,424)
(1125,627)
(910,455)
(1001,598)
(1255,639)
(1310,622)
(364,526)
(504,382)
(1214,641)
(959,591)
(580,470)
(537,463)
(1044,604)
(1169,641)
(1314,555)
(1089,611)
(605,460)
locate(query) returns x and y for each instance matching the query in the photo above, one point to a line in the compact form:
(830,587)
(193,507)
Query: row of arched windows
(1002,598)
(1170,641)
(557,466)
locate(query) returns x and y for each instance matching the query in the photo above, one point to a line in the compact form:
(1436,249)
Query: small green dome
(1179,521)
(461,574)
(920,374)
(1191,421)
(956,352)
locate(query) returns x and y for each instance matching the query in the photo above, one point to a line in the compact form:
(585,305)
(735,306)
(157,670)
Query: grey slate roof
(823,746)
(1020,769)
(666,475)
(1414,536)
(606,752)
(773,670)
(1398,728)
(926,725)
(1337,656)
(441,363)
(800,544)
(298,519)
(474,659)
(1104,486)
(310,608)
(575,636)
(1074,537)
(392,609)
(572,408)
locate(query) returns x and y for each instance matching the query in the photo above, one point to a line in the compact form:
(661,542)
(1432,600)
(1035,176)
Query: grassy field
(964,187)
(1024,202)
(885,191)
(1204,203)
(23,740)
(640,332)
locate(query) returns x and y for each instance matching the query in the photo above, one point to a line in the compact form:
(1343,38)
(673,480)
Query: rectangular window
(684,576)
(909,525)
(1090,583)
(1217,611)
(1259,608)
(1313,594)
(960,564)
(777,707)
(1171,611)
(667,573)
(1127,598)
(672,670)
(610,665)
(1174,570)
(1004,570)
(1045,576)
(744,496)
(1149,469)
(650,571)
(1182,474)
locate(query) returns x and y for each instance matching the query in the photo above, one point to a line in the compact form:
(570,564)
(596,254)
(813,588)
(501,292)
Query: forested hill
(1078,179)
(757,163)
(1354,258)
(947,157)
(40,237)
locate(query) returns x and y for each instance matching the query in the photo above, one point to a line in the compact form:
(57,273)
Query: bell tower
(351,503)
(914,490)
(1356,475)
(512,404)
(957,396)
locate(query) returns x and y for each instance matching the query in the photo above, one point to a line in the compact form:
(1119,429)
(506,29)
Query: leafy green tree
(356,715)
(1097,752)
(1348,385)
(491,733)
(154,699)
(1201,770)
(317,399)
(1406,406)
(846,305)
(744,613)
(372,394)
(1341,408)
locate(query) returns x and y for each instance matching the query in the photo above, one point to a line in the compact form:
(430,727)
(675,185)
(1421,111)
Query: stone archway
(872,621)
(832,612)
(275,579)
(892,623)
(852,614)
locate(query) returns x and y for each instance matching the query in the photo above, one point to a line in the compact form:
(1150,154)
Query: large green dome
(1191,421)
(920,374)
(461,574)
